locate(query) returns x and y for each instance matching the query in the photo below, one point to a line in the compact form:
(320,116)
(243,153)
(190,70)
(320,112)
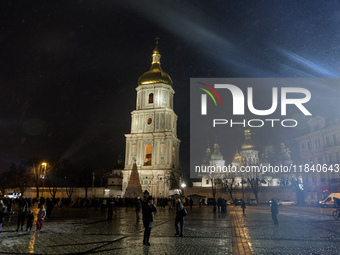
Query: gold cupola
(155,74)
(248,143)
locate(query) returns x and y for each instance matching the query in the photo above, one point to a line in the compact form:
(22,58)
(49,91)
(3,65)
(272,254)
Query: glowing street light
(183,185)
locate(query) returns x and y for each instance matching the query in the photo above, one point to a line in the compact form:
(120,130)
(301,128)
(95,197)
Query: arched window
(148,155)
(151,98)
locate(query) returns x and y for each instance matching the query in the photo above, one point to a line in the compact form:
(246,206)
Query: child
(30,218)
(40,217)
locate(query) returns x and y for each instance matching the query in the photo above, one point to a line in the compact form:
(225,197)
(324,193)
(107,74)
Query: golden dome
(155,74)
(248,143)
(237,158)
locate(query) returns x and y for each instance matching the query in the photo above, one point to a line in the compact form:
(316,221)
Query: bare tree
(38,172)
(255,179)
(69,192)
(53,191)
(23,181)
(229,185)
(215,180)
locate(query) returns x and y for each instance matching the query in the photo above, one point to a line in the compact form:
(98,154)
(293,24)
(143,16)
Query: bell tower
(153,142)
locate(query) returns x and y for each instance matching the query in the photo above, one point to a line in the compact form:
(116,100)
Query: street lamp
(43,176)
(183,185)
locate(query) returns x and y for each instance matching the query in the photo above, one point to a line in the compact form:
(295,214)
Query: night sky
(69,69)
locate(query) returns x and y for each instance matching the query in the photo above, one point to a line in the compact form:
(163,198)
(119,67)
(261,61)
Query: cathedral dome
(237,158)
(216,154)
(155,74)
(248,143)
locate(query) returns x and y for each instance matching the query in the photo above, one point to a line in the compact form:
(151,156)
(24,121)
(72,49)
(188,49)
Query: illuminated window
(151,98)
(148,154)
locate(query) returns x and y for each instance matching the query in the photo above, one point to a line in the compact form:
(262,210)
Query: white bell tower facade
(153,142)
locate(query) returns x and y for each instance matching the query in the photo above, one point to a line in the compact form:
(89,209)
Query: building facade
(153,144)
(248,155)
(320,148)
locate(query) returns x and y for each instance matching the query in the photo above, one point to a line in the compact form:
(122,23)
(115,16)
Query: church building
(153,144)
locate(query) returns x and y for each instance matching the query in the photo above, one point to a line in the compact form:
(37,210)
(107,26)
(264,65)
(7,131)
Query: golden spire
(155,74)
(156,56)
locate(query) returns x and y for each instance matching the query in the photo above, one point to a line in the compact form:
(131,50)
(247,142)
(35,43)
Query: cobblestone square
(301,230)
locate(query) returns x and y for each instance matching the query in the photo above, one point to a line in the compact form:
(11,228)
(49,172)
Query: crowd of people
(147,205)
(22,208)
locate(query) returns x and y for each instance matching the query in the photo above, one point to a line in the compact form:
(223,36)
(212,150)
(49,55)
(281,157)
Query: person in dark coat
(22,212)
(243,206)
(275,211)
(30,219)
(179,218)
(49,207)
(191,202)
(111,208)
(148,217)
(224,206)
(219,204)
(2,214)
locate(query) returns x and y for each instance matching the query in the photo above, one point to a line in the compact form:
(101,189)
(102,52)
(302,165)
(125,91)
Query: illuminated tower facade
(153,144)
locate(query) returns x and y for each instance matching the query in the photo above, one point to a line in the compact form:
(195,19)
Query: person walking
(22,212)
(49,207)
(275,211)
(243,206)
(2,213)
(148,218)
(224,206)
(219,204)
(180,214)
(30,219)
(111,208)
(191,202)
(40,217)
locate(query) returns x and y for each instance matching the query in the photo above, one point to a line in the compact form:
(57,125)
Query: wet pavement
(86,231)
(301,230)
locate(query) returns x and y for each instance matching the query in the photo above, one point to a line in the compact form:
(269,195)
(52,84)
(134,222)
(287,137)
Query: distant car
(252,202)
(286,202)
(238,201)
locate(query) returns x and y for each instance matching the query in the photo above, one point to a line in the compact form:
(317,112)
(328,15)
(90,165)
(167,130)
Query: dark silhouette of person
(2,213)
(275,211)
(111,208)
(224,206)
(148,218)
(22,212)
(30,219)
(180,214)
(191,202)
(219,204)
(243,206)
